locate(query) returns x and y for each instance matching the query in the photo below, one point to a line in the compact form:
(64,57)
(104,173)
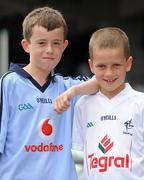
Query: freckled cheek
(37,51)
(99,77)
(59,55)
(122,73)
(34,54)
(100,74)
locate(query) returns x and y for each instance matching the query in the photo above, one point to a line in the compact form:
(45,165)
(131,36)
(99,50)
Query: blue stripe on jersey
(81,78)
(1,94)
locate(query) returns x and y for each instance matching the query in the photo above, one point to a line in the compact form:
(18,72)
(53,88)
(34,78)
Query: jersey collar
(18,68)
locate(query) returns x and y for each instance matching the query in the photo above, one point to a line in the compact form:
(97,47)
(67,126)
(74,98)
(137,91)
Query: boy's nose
(49,48)
(109,72)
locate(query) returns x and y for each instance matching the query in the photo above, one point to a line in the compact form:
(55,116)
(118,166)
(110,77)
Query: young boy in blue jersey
(35,142)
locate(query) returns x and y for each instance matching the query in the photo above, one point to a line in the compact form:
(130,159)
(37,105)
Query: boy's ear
(25,45)
(90,62)
(65,44)
(129,63)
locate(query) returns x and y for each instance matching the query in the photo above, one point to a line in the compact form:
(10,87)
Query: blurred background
(83,18)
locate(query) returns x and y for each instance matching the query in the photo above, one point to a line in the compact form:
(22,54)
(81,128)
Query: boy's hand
(62,102)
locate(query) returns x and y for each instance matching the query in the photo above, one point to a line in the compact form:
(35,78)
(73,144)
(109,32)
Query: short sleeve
(78,129)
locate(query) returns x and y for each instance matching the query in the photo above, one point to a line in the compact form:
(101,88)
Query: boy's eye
(57,43)
(41,43)
(117,65)
(101,66)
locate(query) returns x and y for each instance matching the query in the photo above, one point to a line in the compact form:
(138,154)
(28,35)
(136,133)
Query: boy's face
(45,47)
(110,67)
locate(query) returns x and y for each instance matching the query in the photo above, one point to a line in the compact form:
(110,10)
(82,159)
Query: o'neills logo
(44,148)
(104,162)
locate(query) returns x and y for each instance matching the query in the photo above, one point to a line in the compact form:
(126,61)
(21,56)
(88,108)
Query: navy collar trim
(18,68)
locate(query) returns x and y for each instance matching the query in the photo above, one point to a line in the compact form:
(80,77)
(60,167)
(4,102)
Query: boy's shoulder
(138,97)
(8,80)
(6,75)
(68,81)
(84,100)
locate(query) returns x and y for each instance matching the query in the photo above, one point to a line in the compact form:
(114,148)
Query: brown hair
(109,37)
(46,17)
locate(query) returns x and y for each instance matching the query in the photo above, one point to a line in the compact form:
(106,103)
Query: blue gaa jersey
(35,142)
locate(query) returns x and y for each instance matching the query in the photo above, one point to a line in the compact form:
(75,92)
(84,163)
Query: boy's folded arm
(62,102)
(87,87)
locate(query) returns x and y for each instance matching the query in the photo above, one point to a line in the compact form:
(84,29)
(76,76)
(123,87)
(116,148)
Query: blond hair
(46,17)
(109,37)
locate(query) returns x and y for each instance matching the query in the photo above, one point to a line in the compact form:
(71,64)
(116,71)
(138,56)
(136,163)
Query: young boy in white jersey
(109,126)
(35,142)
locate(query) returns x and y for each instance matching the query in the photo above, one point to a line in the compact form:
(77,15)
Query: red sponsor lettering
(44,148)
(104,162)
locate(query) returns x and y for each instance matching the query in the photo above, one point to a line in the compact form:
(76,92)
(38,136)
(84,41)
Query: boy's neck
(111,94)
(39,76)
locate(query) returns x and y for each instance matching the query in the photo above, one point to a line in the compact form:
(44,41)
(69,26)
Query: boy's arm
(62,102)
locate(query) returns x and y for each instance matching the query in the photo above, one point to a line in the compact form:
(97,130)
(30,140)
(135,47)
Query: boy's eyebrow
(42,39)
(57,39)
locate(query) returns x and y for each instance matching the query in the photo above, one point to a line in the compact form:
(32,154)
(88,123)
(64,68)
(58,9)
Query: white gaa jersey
(111,133)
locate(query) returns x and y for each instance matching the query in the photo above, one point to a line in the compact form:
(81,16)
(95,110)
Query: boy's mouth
(110,80)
